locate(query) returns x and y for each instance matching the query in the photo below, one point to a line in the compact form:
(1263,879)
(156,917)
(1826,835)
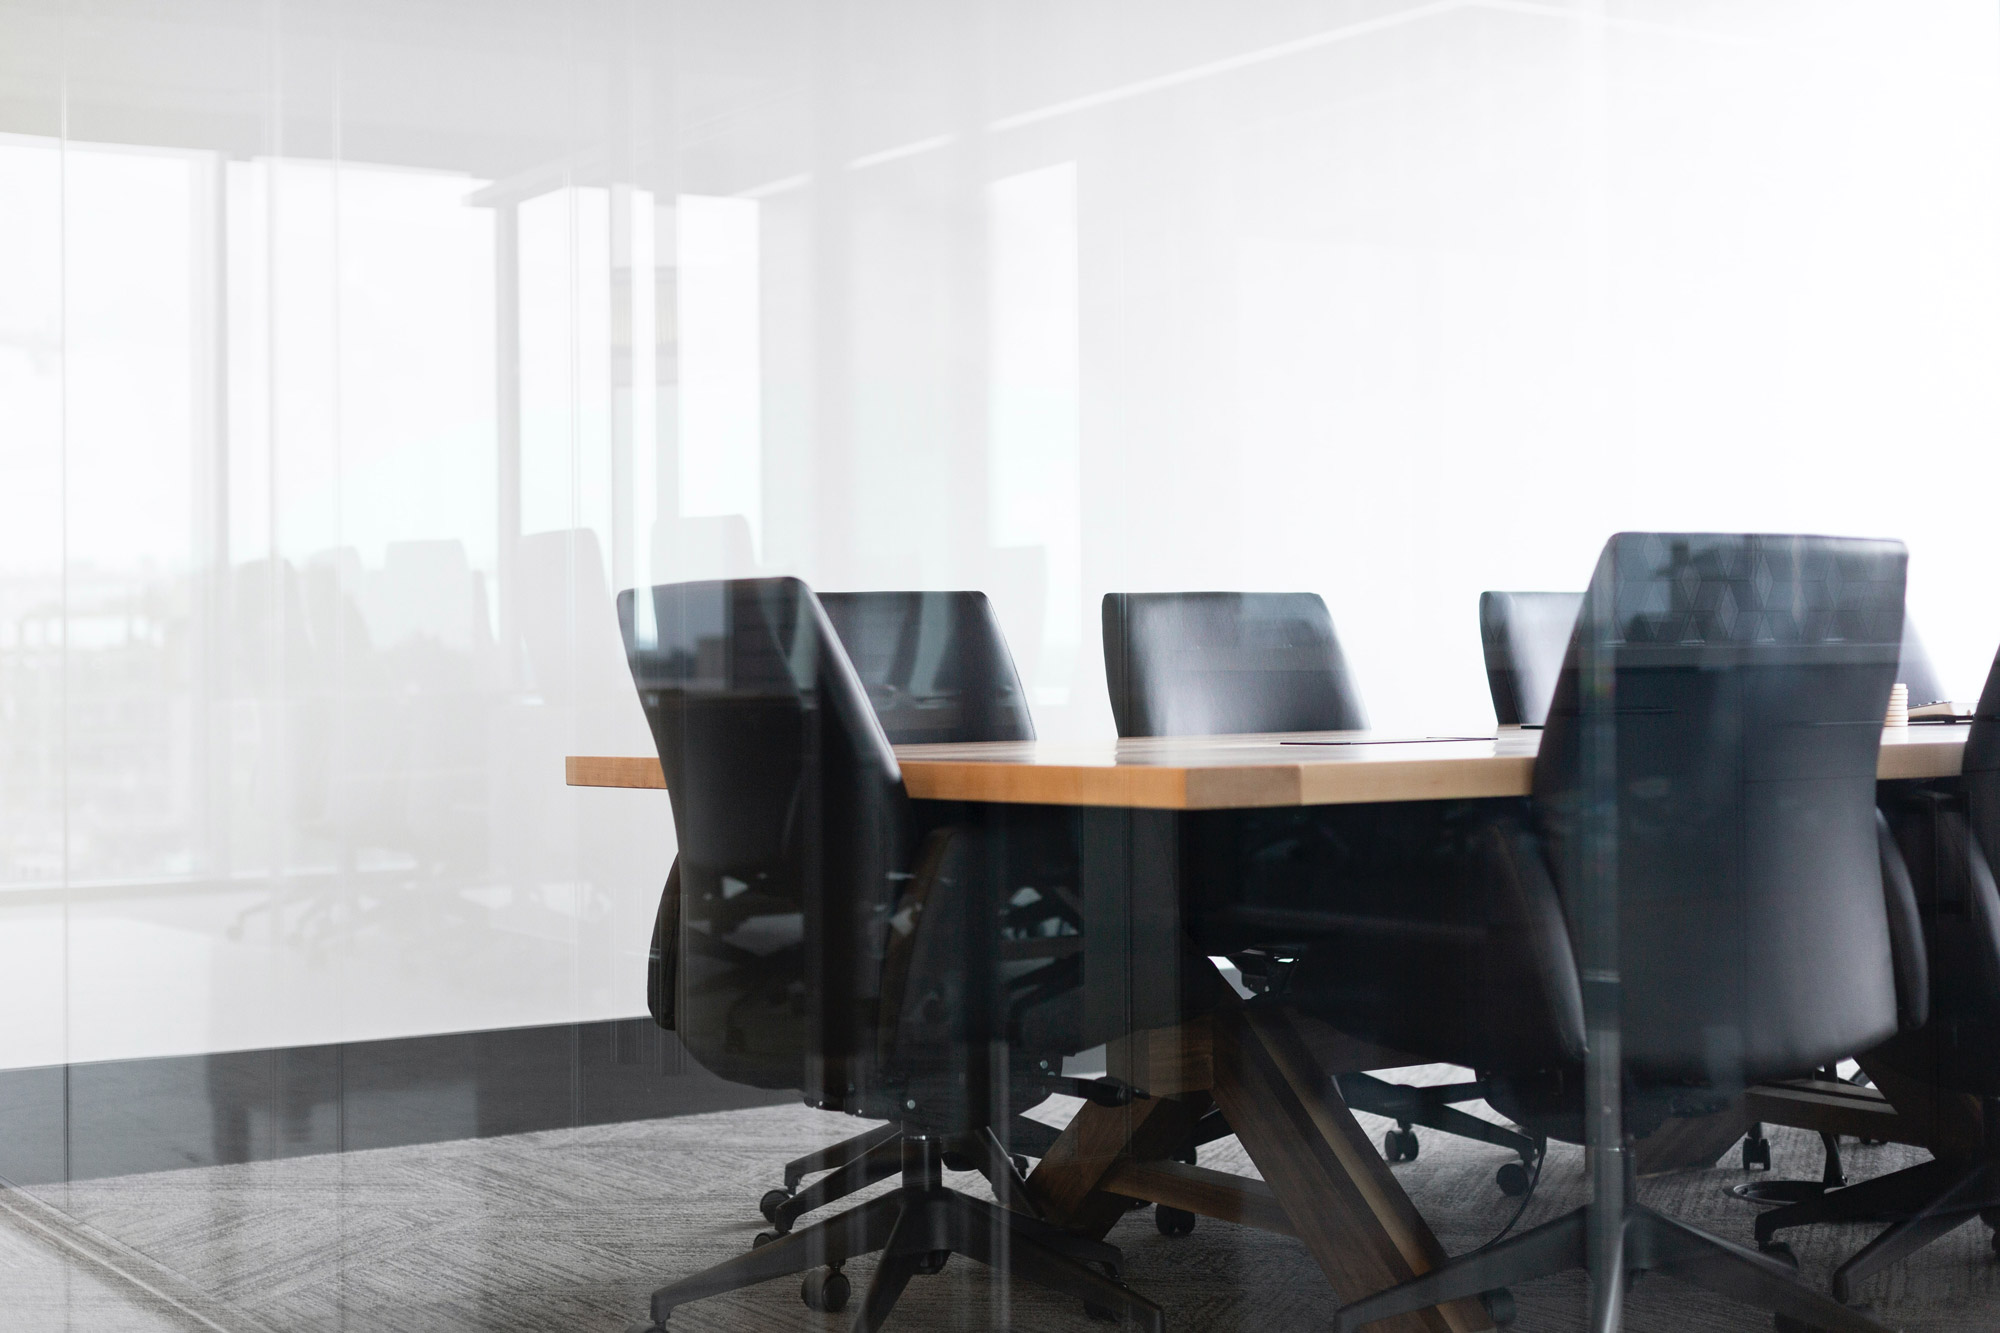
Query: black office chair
(1947,831)
(936,669)
(822,946)
(1913,669)
(1524,635)
(1218,663)
(1739,683)
(935,665)
(1209,663)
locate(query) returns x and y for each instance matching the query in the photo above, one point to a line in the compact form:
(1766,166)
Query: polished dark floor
(569,1229)
(120,1117)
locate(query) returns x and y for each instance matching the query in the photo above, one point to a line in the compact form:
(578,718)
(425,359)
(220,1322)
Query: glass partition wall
(354,357)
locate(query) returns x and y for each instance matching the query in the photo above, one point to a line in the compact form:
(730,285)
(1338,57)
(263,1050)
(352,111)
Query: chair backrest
(561,608)
(1981,767)
(1949,836)
(790,813)
(935,665)
(1525,635)
(716,546)
(1725,769)
(1915,670)
(1219,663)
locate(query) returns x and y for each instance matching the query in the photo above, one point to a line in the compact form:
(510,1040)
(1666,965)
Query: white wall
(349,361)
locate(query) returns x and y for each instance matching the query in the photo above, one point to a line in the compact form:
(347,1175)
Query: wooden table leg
(1693,1143)
(1343,1201)
(1336,1192)
(1068,1183)
(1950,1124)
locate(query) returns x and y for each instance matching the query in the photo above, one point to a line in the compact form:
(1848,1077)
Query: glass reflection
(351,363)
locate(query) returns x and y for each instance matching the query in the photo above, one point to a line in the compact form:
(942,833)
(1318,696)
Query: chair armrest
(1530,957)
(1906,932)
(904,928)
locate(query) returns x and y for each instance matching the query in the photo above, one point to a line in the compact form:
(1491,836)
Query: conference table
(1247,772)
(1323,1179)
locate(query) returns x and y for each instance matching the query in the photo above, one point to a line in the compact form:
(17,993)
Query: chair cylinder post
(923,1161)
(1599,957)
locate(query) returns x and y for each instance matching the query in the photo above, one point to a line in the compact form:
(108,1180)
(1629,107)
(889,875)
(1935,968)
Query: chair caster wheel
(958,1161)
(772,1201)
(1499,1304)
(1512,1179)
(1173,1221)
(1780,1251)
(1020,1162)
(825,1290)
(1756,1154)
(1991,1217)
(762,1238)
(1400,1145)
(933,1262)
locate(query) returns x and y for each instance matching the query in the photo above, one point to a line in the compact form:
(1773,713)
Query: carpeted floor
(570,1229)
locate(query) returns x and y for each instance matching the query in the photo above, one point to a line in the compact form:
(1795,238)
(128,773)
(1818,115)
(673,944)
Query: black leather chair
(822,946)
(1524,635)
(1947,831)
(1212,663)
(936,670)
(1739,685)
(1218,663)
(1915,670)
(935,665)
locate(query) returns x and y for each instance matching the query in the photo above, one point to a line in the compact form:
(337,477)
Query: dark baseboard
(117,1117)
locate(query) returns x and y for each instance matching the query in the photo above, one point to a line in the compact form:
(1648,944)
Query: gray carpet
(570,1229)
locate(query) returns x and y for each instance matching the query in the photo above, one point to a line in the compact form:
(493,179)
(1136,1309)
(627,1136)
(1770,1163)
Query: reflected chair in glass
(936,669)
(1210,663)
(822,945)
(1738,686)
(1947,830)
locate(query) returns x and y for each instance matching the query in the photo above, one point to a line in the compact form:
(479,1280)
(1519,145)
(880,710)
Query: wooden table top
(1240,772)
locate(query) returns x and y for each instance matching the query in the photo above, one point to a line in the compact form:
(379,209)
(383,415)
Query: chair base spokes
(877,1157)
(858,1162)
(916,1228)
(1433,1108)
(1654,1243)
(1925,1201)
(836,1155)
